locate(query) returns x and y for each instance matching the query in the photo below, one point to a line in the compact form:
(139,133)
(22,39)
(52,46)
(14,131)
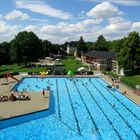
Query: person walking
(43,92)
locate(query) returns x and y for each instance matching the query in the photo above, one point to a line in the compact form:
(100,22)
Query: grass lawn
(21,68)
(131,81)
(71,64)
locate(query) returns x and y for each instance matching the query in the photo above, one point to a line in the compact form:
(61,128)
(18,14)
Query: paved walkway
(9,108)
(129,92)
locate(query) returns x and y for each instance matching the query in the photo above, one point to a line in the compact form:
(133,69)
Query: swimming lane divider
(116,110)
(58,102)
(76,120)
(119,100)
(92,120)
(102,110)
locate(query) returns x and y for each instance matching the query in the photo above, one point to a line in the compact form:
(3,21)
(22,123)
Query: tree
(4,53)
(65,45)
(26,47)
(90,45)
(128,56)
(47,48)
(116,45)
(101,44)
(81,47)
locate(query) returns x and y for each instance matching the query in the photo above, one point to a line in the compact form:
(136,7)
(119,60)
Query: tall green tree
(90,45)
(101,44)
(47,48)
(26,47)
(129,54)
(4,53)
(116,45)
(81,47)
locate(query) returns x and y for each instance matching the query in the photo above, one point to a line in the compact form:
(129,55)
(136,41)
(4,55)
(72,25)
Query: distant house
(101,60)
(71,50)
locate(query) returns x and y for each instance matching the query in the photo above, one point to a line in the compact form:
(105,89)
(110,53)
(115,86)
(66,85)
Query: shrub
(128,72)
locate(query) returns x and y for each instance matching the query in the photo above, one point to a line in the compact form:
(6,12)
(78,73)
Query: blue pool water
(84,109)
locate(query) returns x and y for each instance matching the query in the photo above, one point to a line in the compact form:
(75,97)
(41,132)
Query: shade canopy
(82,69)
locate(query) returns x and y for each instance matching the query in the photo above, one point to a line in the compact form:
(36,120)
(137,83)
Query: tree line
(26,47)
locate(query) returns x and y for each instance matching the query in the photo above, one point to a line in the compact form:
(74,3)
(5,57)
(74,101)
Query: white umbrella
(82,69)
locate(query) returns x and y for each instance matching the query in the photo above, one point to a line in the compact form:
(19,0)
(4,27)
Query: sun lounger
(137,92)
(22,97)
(3,98)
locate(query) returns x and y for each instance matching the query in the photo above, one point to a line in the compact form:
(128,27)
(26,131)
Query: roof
(101,54)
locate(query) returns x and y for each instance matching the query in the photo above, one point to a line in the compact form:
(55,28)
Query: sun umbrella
(43,73)
(82,69)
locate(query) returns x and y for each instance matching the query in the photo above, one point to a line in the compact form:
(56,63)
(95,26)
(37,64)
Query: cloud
(66,32)
(117,28)
(31,28)
(135,27)
(16,14)
(120,2)
(104,10)
(84,26)
(8,32)
(43,8)
(0,16)
(115,20)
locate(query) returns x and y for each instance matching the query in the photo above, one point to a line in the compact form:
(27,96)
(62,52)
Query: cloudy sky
(65,20)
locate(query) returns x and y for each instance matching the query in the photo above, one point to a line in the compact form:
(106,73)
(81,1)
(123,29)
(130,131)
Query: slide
(6,75)
(14,78)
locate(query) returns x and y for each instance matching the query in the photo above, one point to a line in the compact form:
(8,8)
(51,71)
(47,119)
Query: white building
(71,50)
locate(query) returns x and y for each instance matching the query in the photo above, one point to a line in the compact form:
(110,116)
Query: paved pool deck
(122,87)
(9,109)
(38,102)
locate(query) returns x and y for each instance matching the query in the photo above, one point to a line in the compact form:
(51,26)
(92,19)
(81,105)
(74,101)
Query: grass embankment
(69,64)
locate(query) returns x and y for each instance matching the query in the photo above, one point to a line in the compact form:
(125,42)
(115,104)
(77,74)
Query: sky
(66,20)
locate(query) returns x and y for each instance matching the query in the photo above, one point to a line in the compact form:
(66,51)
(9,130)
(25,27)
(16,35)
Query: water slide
(14,78)
(6,75)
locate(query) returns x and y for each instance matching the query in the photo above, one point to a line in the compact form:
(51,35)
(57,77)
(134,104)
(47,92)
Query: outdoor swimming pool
(84,109)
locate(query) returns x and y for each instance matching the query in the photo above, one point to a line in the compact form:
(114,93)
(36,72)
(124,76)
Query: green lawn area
(71,64)
(21,68)
(131,81)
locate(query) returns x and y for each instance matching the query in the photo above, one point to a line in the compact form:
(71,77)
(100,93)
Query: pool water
(84,109)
